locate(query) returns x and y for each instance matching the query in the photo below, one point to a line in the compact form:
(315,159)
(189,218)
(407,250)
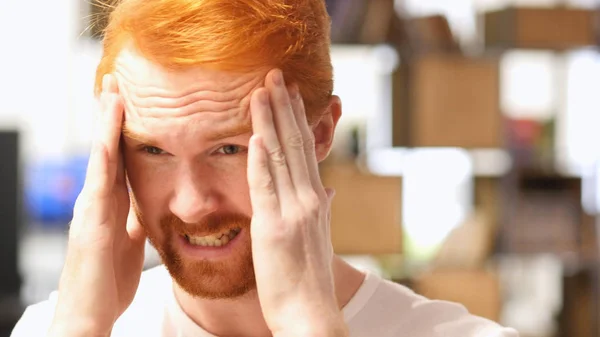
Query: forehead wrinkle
(227,83)
(185,101)
(239,117)
(161,112)
(225,86)
(197,101)
(180,84)
(188,95)
(130,109)
(221,110)
(196,108)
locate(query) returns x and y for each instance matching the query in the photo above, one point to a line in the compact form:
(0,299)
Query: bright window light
(437,197)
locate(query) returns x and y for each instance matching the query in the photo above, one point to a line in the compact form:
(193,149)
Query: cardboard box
(477,290)
(431,34)
(468,245)
(448,101)
(408,35)
(366,217)
(540,28)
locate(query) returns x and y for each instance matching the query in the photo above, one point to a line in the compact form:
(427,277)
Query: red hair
(228,35)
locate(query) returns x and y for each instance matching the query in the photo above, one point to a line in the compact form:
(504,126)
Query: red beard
(230,278)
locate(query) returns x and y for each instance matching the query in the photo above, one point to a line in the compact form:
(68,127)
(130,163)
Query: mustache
(210,224)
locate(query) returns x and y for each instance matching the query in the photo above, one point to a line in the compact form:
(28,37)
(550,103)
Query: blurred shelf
(558,28)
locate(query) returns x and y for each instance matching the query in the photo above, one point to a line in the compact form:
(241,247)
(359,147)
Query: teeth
(218,240)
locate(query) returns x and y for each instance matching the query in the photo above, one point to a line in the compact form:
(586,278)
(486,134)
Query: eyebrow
(239,129)
(227,133)
(128,133)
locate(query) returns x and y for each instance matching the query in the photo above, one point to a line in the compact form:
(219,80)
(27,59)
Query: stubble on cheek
(205,279)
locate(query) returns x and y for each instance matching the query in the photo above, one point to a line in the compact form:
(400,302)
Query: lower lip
(208,252)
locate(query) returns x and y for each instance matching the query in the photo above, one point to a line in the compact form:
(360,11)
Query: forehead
(162,101)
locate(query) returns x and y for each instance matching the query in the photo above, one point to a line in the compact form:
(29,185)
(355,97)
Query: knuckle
(302,216)
(268,185)
(312,201)
(295,217)
(295,140)
(265,184)
(306,219)
(309,145)
(277,156)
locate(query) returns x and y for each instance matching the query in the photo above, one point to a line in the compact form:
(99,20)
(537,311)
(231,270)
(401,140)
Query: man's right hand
(106,243)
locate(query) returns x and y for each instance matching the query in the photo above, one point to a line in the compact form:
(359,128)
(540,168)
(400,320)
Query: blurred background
(466,163)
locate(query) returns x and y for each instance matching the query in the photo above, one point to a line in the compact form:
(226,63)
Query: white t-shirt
(379,309)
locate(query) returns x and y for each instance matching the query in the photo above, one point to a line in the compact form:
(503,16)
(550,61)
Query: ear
(324,128)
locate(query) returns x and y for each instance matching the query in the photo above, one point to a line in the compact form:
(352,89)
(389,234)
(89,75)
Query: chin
(210,259)
(228,276)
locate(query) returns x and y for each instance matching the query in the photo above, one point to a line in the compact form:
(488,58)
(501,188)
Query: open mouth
(214,240)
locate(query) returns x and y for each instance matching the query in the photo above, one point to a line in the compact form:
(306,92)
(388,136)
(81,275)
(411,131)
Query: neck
(216,316)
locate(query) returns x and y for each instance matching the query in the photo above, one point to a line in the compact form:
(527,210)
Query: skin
(189,117)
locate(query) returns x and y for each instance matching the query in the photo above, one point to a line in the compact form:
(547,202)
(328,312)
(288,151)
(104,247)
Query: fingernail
(294,92)
(263,97)
(278,78)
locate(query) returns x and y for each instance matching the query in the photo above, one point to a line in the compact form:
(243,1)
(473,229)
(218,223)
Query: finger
(135,230)
(263,196)
(112,119)
(309,139)
(104,157)
(288,133)
(330,193)
(121,178)
(262,124)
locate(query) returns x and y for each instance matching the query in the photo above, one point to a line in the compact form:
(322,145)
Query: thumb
(330,194)
(134,227)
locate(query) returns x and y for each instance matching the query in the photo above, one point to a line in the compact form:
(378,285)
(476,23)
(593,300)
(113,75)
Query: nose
(193,197)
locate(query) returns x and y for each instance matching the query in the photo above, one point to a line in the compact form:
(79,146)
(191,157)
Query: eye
(153,150)
(229,149)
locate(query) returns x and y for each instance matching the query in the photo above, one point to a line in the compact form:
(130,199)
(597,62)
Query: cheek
(148,187)
(232,184)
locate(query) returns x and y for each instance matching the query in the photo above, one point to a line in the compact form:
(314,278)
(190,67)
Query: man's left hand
(290,230)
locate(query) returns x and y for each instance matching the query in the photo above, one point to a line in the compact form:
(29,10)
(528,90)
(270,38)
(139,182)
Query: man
(215,114)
